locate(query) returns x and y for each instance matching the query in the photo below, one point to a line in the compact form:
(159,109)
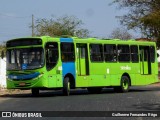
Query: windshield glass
(25,58)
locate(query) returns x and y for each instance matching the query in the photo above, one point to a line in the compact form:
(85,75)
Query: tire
(66,86)
(94,90)
(35,92)
(124,87)
(125,83)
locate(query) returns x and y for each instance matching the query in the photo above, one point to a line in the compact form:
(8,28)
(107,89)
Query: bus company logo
(125,67)
(6,114)
(24,66)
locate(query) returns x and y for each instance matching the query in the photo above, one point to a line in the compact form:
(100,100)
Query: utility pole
(32,25)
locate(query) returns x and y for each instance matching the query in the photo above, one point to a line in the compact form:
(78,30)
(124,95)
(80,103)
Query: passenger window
(67,52)
(152,54)
(96,52)
(51,54)
(134,53)
(123,53)
(110,53)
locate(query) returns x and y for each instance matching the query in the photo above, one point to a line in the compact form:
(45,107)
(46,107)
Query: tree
(120,33)
(65,25)
(143,15)
(2,48)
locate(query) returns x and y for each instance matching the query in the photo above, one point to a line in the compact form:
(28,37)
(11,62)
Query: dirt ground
(4,91)
(156,84)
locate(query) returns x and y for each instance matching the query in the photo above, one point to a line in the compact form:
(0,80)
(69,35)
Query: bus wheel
(35,91)
(94,90)
(124,84)
(66,86)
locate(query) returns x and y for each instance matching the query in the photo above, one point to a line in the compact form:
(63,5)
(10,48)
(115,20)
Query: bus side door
(82,59)
(145,60)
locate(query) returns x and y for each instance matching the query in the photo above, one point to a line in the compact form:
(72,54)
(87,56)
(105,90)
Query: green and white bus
(45,62)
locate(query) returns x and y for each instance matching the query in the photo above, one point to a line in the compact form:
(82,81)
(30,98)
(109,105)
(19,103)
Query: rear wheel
(125,83)
(66,86)
(35,91)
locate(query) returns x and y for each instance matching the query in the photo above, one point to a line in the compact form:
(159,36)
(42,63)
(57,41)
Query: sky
(97,15)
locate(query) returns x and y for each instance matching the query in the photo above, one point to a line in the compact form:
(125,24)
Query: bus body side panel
(113,71)
(96,74)
(68,68)
(135,71)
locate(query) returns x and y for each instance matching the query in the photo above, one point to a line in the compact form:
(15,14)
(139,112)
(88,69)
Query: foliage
(143,15)
(65,25)
(120,33)
(2,48)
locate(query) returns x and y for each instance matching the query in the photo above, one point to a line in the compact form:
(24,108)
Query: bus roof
(89,40)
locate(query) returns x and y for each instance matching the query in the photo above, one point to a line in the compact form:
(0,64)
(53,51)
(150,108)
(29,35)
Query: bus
(66,63)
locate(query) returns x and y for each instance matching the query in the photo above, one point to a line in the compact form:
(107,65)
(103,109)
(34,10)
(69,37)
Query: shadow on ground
(148,106)
(52,93)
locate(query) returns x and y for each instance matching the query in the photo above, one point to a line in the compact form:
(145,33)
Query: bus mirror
(2,54)
(157,55)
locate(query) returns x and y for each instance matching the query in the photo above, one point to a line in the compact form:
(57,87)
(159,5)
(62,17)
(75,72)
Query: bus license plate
(22,84)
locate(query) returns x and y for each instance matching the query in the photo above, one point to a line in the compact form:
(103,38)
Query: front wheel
(66,86)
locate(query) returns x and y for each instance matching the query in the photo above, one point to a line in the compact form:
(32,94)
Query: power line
(31,17)
(13,16)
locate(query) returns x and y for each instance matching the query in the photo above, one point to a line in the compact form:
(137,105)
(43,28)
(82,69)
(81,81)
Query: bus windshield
(25,58)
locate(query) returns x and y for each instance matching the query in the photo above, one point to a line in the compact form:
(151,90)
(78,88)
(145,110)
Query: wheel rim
(68,87)
(125,84)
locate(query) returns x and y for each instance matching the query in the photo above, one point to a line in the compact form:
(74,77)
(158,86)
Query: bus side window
(110,53)
(67,52)
(152,54)
(134,53)
(96,52)
(123,53)
(51,54)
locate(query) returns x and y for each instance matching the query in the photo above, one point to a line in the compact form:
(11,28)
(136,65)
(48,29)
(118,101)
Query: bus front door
(145,60)
(82,59)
